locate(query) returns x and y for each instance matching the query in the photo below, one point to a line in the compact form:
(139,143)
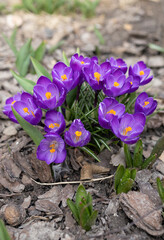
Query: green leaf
(125,186)
(40,70)
(118,175)
(159,147)
(84,216)
(99,36)
(105,144)
(148,161)
(71,97)
(89,202)
(26,84)
(160,189)
(81,193)
(126,175)
(32,131)
(11,41)
(65,59)
(73,209)
(156,47)
(3,232)
(78,51)
(128,157)
(138,152)
(40,51)
(90,152)
(133,174)
(92,218)
(23,58)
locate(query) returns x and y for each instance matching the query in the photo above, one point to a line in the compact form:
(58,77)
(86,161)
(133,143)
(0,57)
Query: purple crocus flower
(77,135)
(49,95)
(54,122)
(116,84)
(109,108)
(9,103)
(145,104)
(27,109)
(134,83)
(65,75)
(140,69)
(129,127)
(51,149)
(117,64)
(96,74)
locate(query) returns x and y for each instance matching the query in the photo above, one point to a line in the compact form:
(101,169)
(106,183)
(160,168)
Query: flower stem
(96,97)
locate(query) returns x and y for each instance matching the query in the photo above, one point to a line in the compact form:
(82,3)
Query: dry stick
(73,182)
(128,226)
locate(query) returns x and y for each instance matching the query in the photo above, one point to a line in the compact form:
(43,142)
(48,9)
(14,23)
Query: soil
(38,211)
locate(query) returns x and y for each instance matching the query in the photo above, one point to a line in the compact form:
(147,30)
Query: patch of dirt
(39,211)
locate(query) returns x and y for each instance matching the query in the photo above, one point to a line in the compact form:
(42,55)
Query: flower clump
(112,78)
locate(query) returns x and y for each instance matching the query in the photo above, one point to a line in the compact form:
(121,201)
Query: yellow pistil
(13,102)
(64,77)
(145,104)
(26,110)
(82,62)
(48,95)
(131,83)
(142,73)
(97,76)
(52,146)
(32,113)
(112,112)
(126,130)
(116,84)
(78,134)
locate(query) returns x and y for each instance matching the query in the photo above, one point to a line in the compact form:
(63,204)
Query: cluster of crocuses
(49,95)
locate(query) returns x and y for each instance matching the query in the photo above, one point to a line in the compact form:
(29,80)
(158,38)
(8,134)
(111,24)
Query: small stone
(143,176)
(112,207)
(156,62)
(160,167)
(26,202)
(14,215)
(10,131)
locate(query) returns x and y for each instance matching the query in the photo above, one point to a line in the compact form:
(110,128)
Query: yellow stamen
(131,83)
(52,146)
(116,84)
(48,95)
(26,110)
(52,150)
(51,125)
(82,62)
(78,134)
(13,102)
(145,104)
(64,77)
(32,113)
(142,73)
(112,112)
(119,66)
(126,130)
(57,124)
(97,76)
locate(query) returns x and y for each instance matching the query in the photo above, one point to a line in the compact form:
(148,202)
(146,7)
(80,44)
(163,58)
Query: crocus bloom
(77,135)
(51,149)
(27,109)
(54,122)
(116,84)
(117,64)
(48,95)
(129,127)
(65,75)
(9,103)
(109,108)
(96,74)
(140,69)
(134,83)
(145,104)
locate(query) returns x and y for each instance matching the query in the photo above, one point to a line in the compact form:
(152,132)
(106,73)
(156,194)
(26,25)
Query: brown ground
(128,26)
